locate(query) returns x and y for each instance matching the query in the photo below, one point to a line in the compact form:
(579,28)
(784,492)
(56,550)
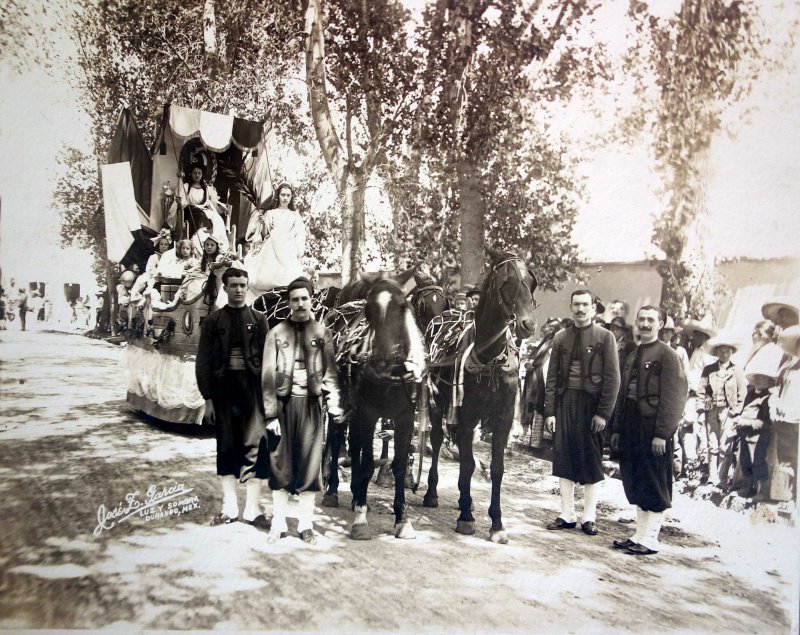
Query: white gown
(274,261)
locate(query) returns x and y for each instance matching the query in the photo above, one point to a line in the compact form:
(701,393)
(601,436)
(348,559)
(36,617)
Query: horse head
(427,300)
(507,293)
(394,333)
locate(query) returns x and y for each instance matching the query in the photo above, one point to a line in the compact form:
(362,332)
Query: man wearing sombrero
(720,395)
(785,415)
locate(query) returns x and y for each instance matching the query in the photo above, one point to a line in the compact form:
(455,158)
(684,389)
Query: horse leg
(404,429)
(466,467)
(335,438)
(384,479)
(362,429)
(431,498)
(497,532)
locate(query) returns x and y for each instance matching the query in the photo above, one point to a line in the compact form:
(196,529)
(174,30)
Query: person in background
(22,307)
(684,443)
(3,309)
(460,301)
(580,391)
(473,298)
(753,427)
(695,337)
(720,395)
(648,411)
(618,308)
(785,416)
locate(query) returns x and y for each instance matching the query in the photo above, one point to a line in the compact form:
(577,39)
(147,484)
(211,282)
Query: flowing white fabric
(277,262)
(121,210)
(167,380)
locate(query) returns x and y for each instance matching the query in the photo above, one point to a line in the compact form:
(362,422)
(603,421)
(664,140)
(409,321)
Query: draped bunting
(216,131)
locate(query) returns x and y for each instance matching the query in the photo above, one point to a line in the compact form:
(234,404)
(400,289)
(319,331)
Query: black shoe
(560,523)
(639,550)
(589,528)
(308,537)
(260,522)
(623,544)
(222,519)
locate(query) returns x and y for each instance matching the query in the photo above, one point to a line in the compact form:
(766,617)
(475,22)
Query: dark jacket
(599,367)
(214,347)
(278,365)
(662,388)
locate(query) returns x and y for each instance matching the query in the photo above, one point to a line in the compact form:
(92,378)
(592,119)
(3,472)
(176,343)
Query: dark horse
(485,373)
(427,300)
(382,372)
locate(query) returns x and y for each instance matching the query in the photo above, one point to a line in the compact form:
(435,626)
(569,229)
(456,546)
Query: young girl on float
(183,263)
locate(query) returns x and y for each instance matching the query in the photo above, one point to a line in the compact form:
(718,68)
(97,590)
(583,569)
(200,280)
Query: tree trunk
(210,46)
(349,180)
(473,208)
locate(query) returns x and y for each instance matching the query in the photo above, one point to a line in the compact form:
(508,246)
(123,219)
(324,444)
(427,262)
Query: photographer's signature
(156,503)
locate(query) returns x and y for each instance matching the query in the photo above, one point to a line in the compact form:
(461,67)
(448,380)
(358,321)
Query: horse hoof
(404,530)
(330,500)
(430,501)
(498,536)
(466,527)
(360,532)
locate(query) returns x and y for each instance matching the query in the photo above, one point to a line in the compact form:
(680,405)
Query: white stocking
(567,488)
(230,505)
(280,504)
(641,525)
(650,538)
(591,492)
(305,513)
(251,508)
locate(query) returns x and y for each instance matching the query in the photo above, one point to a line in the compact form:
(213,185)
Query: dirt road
(69,445)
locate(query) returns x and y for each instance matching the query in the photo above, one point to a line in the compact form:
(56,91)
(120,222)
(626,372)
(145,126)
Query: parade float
(142,197)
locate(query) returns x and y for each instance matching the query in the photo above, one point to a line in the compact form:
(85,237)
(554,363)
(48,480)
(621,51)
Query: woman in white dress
(201,207)
(277,239)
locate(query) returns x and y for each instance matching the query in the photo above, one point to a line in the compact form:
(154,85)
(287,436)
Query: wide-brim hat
(669,325)
(620,323)
(692,326)
(771,308)
(472,291)
(788,339)
(599,307)
(203,235)
(723,339)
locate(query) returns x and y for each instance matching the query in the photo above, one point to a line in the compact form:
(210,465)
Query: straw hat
(789,338)
(701,326)
(771,308)
(669,325)
(723,339)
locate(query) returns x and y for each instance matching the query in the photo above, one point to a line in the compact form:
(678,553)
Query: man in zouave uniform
(299,371)
(581,388)
(649,410)
(228,371)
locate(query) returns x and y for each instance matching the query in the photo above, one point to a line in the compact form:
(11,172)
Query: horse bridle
(511,318)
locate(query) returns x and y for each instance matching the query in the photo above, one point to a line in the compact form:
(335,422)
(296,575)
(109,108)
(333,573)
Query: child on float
(144,283)
(177,265)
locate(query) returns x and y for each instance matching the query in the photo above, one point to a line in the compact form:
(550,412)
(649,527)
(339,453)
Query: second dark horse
(384,370)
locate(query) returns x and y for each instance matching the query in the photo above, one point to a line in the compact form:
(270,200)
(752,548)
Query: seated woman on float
(143,284)
(201,206)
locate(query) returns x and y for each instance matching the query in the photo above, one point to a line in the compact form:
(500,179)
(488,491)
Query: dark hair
(206,260)
(276,196)
(582,292)
(662,316)
(766,328)
(234,272)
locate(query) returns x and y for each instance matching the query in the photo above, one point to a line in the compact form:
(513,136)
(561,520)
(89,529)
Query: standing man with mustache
(298,378)
(581,388)
(649,410)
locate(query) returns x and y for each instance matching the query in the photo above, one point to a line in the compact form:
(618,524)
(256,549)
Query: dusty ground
(68,445)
